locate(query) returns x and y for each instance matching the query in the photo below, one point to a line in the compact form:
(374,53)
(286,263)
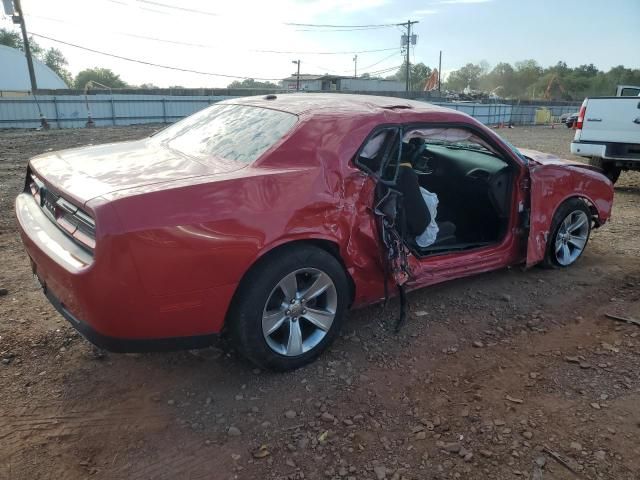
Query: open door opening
(455,190)
(466,184)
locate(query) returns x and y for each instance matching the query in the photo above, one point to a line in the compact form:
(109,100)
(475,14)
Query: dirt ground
(512,374)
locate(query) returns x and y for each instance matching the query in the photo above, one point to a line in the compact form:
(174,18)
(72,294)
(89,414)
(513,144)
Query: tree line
(526,79)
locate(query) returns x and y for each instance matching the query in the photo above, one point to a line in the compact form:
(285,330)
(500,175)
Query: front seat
(416,213)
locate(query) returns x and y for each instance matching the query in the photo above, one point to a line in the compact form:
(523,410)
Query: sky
(240,37)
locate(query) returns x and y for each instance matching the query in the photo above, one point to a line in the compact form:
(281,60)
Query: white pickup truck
(608,131)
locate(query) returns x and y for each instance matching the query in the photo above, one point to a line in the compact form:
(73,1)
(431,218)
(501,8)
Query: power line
(316,27)
(144,62)
(349,70)
(385,70)
(379,61)
(168,67)
(133,35)
(124,4)
(166,5)
(199,45)
(292,24)
(331,71)
(337,30)
(328,53)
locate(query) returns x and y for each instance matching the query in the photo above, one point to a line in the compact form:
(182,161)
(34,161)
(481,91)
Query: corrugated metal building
(15,75)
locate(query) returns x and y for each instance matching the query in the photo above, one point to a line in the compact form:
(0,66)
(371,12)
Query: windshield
(515,150)
(234,132)
(450,137)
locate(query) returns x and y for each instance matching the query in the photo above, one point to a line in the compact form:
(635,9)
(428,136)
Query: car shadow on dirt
(630,190)
(500,302)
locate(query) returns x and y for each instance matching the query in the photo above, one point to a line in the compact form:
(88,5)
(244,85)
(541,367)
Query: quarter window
(379,155)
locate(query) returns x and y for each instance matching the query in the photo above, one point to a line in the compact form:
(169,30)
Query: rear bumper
(623,155)
(588,149)
(102,295)
(128,345)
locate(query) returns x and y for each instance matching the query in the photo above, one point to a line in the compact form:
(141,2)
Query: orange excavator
(553,80)
(431,83)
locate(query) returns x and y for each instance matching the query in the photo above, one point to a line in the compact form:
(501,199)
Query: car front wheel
(289,307)
(570,233)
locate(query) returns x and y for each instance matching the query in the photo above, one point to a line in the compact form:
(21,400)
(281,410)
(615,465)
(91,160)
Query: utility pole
(355,72)
(410,39)
(298,76)
(19,18)
(440,74)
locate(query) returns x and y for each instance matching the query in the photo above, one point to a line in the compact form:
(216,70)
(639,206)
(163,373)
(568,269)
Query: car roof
(309,104)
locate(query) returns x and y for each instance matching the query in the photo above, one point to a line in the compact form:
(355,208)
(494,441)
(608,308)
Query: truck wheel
(289,307)
(570,231)
(611,171)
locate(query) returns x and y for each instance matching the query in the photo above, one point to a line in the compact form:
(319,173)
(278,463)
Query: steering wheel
(425,168)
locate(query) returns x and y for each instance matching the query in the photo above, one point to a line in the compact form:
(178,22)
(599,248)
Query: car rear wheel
(571,228)
(289,307)
(611,171)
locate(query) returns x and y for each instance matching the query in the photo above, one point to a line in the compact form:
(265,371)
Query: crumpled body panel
(553,181)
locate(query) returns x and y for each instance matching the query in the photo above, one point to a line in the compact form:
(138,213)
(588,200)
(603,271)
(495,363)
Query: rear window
(234,132)
(630,92)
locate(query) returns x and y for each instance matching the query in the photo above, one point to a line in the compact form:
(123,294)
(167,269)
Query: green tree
(55,60)
(528,80)
(251,83)
(467,76)
(624,76)
(101,75)
(419,75)
(11,39)
(527,72)
(52,57)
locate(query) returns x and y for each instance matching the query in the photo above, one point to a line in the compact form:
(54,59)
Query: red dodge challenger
(268,217)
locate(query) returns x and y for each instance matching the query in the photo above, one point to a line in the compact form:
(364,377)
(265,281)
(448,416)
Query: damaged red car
(267,218)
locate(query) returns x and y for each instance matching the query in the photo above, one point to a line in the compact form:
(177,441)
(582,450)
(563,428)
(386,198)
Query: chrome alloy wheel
(299,312)
(571,237)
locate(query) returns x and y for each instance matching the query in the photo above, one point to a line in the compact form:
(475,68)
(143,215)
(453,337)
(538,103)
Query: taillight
(583,110)
(77,223)
(34,187)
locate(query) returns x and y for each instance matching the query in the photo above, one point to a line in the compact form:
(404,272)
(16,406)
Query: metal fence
(72,111)
(501,113)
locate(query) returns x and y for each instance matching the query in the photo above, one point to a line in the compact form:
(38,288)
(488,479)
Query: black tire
(610,171)
(567,208)
(257,287)
(569,124)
